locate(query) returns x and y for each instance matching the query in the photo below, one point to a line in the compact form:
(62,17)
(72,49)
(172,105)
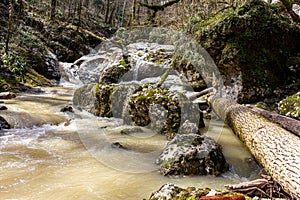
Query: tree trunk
(53,10)
(110,19)
(133,11)
(79,10)
(9,25)
(288,123)
(106,12)
(123,14)
(274,147)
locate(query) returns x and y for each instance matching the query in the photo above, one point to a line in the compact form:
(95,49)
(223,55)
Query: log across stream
(277,149)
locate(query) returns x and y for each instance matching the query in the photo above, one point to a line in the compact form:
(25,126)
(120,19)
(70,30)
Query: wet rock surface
(3,108)
(7,95)
(4,124)
(192,154)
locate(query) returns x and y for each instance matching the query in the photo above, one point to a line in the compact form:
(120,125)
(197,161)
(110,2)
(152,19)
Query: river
(46,157)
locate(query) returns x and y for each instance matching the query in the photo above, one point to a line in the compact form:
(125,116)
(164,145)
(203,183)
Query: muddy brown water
(47,156)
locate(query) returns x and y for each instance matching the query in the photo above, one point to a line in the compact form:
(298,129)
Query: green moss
(103,103)
(123,62)
(290,106)
(168,163)
(256,39)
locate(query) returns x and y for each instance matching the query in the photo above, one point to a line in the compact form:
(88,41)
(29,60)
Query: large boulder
(85,98)
(104,100)
(192,154)
(44,62)
(162,110)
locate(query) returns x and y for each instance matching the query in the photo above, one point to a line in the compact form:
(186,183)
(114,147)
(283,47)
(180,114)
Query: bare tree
(9,25)
(53,9)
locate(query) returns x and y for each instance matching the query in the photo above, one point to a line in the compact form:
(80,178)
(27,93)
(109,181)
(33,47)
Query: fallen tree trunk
(277,149)
(288,123)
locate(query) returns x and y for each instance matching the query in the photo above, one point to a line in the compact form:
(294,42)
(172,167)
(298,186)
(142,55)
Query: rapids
(54,155)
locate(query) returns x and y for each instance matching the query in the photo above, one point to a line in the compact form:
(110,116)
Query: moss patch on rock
(103,105)
(191,154)
(174,192)
(290,106)
(114,73)
(160,109)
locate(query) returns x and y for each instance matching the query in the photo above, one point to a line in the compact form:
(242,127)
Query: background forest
(259,38)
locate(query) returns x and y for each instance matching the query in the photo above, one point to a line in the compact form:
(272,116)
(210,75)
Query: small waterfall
(138,64)
(69,75)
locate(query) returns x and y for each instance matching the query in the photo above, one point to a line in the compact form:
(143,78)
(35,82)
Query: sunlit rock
(192,154)
(290,106)
(161,110)
(171,191)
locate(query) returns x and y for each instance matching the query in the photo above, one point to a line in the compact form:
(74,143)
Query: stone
(4,124)
(102,99)
(131,130)
(85,98)
(290,106)
(192,154)
(118,145)
(67,109)
(3,108)
(189,127)
(46,64)
(173,192)
(161,110)
(7,95)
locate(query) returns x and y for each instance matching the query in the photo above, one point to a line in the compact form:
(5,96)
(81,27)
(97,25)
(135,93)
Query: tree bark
(106,11)
(288,123)
(79,9)
(53,10)
(274,147)
(9,25)
(133,10)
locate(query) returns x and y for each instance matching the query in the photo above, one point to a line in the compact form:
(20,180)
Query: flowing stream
(46,156)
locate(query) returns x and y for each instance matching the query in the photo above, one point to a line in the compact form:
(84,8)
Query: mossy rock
(103,105)
(113,73)
(190,73)
(192,154)
(159,109)
(290,106)
(3,124)
(174,192)
(131,130)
